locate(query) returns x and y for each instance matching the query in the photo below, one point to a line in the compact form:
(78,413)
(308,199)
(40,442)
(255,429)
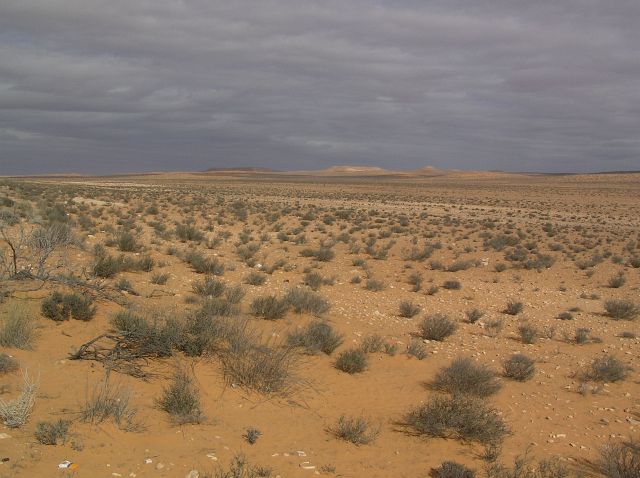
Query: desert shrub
(513,308)
(494,327)
(374,285)
(126,242)
(106,266)
(621,309)
(459,266)
(437,327)
(416,349)
(452,285)
(160,278)
(519,367)
(125,285)
(433,289)
(129,322)
(606,369)
(500,267)
(255,278)
(620,460)
(357,430)
(204,265)
(565,316)
(264,367)
(473,315)
(209,287)
(415,279)
(627,334)
(581,336)
(251,435)
(523,467)
(108,401)
(322,254)
(52,433)
(241,468)
(269,307)
(451,469)
(617,281)
(528,333)
(372,344)
(15,413)
(352,361)
(390,349)
(187,232)
(145,264)
(180,399)
(306,301)
(460,417)
(463,377)
(7,364)
(18,328)
(60,307)
(313,280)
(316,337)
(408,309)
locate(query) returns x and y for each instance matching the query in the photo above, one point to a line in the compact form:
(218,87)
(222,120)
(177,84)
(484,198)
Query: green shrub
(372,344)
(437,327)
(352,361)
(463,377)
(316,337)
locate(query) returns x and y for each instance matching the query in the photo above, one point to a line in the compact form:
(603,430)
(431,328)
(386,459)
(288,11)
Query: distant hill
(248,169)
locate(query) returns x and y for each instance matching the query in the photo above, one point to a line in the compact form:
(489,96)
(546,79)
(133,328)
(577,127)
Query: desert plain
(348,323)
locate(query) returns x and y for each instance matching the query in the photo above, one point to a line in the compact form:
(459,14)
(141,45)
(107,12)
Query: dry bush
(18,328)
(513,308)
(416,349)
(606,369)
(620,460)
(451,469)
(519,367)
(52,433)
(621,309)
(108,401)
(408,309)
(269,307)
(357,430)
(352,361)
(317,337)
(303,300)
(255,278)
(524,467)
(437,327)
(15,413)
(180,399)
(7,364)
(463,377)
(460,417)
(60,307)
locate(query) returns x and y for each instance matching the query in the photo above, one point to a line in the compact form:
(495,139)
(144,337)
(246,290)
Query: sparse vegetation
(437,327)
(463,377)
(357,430)
(352,361)
(519,367)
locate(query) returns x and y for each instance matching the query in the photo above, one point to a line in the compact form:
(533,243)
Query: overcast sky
(148,85)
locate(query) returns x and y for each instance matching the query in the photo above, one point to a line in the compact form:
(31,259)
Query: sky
(119,86)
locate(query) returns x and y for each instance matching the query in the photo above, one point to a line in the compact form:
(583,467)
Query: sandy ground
(589,214)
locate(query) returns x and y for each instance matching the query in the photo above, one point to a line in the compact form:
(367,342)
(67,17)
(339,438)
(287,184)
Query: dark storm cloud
(166,85)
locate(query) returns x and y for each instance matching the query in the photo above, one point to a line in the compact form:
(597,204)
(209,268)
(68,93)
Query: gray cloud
(139,85)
